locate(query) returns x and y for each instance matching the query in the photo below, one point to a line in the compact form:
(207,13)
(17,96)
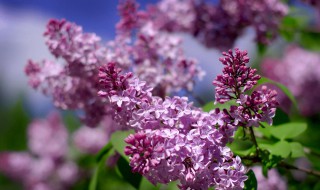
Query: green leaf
(103,151)
(211,106)
(251,182)
(283,88)
(94,180)
(296,150)
(310,40)
(13,128)
(262,48)
(281,148)
(244,152)
(288,130)
(145,184)
(117,140)
(133,178)
(280,117)
(289,27)
(265,129)
(268,161)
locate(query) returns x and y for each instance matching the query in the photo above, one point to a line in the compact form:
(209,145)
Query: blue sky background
(99,16)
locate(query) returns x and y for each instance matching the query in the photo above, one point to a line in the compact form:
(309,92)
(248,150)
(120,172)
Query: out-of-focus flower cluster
(154,56)
(46,165)
(236,79)
(219,25)
(274,181)
(314,3)
(299,71)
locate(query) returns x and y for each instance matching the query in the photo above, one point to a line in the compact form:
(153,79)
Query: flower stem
(254,140)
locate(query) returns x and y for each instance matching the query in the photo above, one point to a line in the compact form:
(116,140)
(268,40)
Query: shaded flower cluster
(173,139)
(219,25)
(236,79)
(90,140)
(299,71)
(314,3)
(273,182)
(46,165)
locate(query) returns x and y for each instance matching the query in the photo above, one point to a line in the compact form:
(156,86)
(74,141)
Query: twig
(256,158)
(292,167)
(254,140)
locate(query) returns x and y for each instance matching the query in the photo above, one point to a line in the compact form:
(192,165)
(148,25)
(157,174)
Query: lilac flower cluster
(273,182)
(173,139)
(73,84)
(299,71)
(219,25)
(157,55)
(46,166)
(91,140)
(314,3)
(236,79)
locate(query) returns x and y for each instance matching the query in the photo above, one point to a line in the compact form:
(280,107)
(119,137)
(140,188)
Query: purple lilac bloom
(273,182)
(219,25)
(45,165)
(48,137)
(157,56)
(73,84)
(91,140)
(236,79)
(299,70)
(314,3)
(173,139)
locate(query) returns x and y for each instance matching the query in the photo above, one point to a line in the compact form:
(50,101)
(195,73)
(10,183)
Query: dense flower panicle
(67,40)
(131,18)
(273,182)
(168,14)
(142,151)
(219,25)
(314,3)
(215,27)
(236,78)
(40,73)
(67,92)
(124,92)
(259,107)
(157,56)
(90,140)
(173,139)
(48,137)
(160,60)
(45,166)
(263,15)
(166,155)
(15,165)
(299,71)
(74,84)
